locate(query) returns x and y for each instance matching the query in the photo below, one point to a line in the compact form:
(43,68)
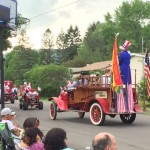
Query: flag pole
(144,105)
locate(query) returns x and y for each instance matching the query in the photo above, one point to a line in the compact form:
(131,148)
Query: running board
(118,113)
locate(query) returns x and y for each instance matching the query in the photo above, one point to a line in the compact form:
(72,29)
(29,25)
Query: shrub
(142,93)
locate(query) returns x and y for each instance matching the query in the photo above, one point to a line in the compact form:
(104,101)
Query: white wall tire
(97,115)
(53,110)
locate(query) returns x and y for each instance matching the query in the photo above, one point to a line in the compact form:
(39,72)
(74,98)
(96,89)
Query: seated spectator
(32,139)
(13,119)
(106,79)
(104,141)
(71,86)
(78,82)
(6,118)
(31,122)
(56,140)
(83,81)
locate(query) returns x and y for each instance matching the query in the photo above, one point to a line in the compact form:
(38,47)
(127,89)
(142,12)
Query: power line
(54,9)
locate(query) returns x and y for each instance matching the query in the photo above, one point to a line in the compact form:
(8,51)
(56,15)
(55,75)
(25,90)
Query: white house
(137,62)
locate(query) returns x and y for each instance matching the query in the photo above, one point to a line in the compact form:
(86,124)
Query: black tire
(40,105)
(20,105)
(12,100)
(53,110)
(20,100)
(81,114)
(112,115)
(97,115)
(128,118)
(25,105)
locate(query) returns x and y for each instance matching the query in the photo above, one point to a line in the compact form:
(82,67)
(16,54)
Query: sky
(60,14)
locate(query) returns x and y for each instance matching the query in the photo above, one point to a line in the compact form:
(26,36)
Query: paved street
(80,132)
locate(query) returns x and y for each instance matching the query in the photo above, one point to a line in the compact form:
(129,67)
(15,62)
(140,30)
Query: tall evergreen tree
(93,46)
(47,45)
(47,40)
(24,40)
(72,41)
(60,42)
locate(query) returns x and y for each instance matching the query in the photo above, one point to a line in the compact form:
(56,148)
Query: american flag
(147,72)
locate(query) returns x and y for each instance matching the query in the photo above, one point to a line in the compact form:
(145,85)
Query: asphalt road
(80,132)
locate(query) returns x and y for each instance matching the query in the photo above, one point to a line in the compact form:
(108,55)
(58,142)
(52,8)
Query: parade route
(80,132)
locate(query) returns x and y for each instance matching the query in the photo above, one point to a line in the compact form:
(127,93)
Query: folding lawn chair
(6,139)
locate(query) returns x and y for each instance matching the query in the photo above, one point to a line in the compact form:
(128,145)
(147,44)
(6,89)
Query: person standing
(124,63)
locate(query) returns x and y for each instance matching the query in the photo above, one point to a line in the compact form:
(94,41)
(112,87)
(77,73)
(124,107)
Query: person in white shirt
(14,90)
(5,118)
(106,79)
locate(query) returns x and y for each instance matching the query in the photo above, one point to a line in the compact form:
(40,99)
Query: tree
(131,19)
(71,41)
(8,33)
(108,30)
(47,45)
(23,39)
(19,61)
(72,37)
(142,93)
(93,48)
(47,40)
(60,42)
(49,78)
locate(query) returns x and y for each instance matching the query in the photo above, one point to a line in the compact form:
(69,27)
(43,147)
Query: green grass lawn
(44,98)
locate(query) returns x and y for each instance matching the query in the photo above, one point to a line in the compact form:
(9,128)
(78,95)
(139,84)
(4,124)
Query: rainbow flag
(117,81)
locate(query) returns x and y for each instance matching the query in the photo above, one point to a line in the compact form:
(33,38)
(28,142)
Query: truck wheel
(81,114)
(53,110)
(128,118)
(97,116)
(16,97)
(12,100)
(20,105)
(40,105)
(25,105)
(20,100)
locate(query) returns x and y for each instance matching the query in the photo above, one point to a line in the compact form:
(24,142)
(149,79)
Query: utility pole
(2,69)
(142,45)
(8,15)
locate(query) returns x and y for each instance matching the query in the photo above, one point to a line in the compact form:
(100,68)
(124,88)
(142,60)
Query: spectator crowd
(30,137)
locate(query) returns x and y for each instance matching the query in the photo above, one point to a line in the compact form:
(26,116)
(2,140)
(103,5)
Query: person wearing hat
(124,63)
(6,118)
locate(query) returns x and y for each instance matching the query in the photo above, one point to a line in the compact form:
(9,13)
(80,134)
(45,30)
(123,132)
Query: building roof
(94,66)
(97,66)
(100,65)
(138,55)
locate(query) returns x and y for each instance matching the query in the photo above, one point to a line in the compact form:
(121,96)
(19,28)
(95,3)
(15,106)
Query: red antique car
(96,98)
